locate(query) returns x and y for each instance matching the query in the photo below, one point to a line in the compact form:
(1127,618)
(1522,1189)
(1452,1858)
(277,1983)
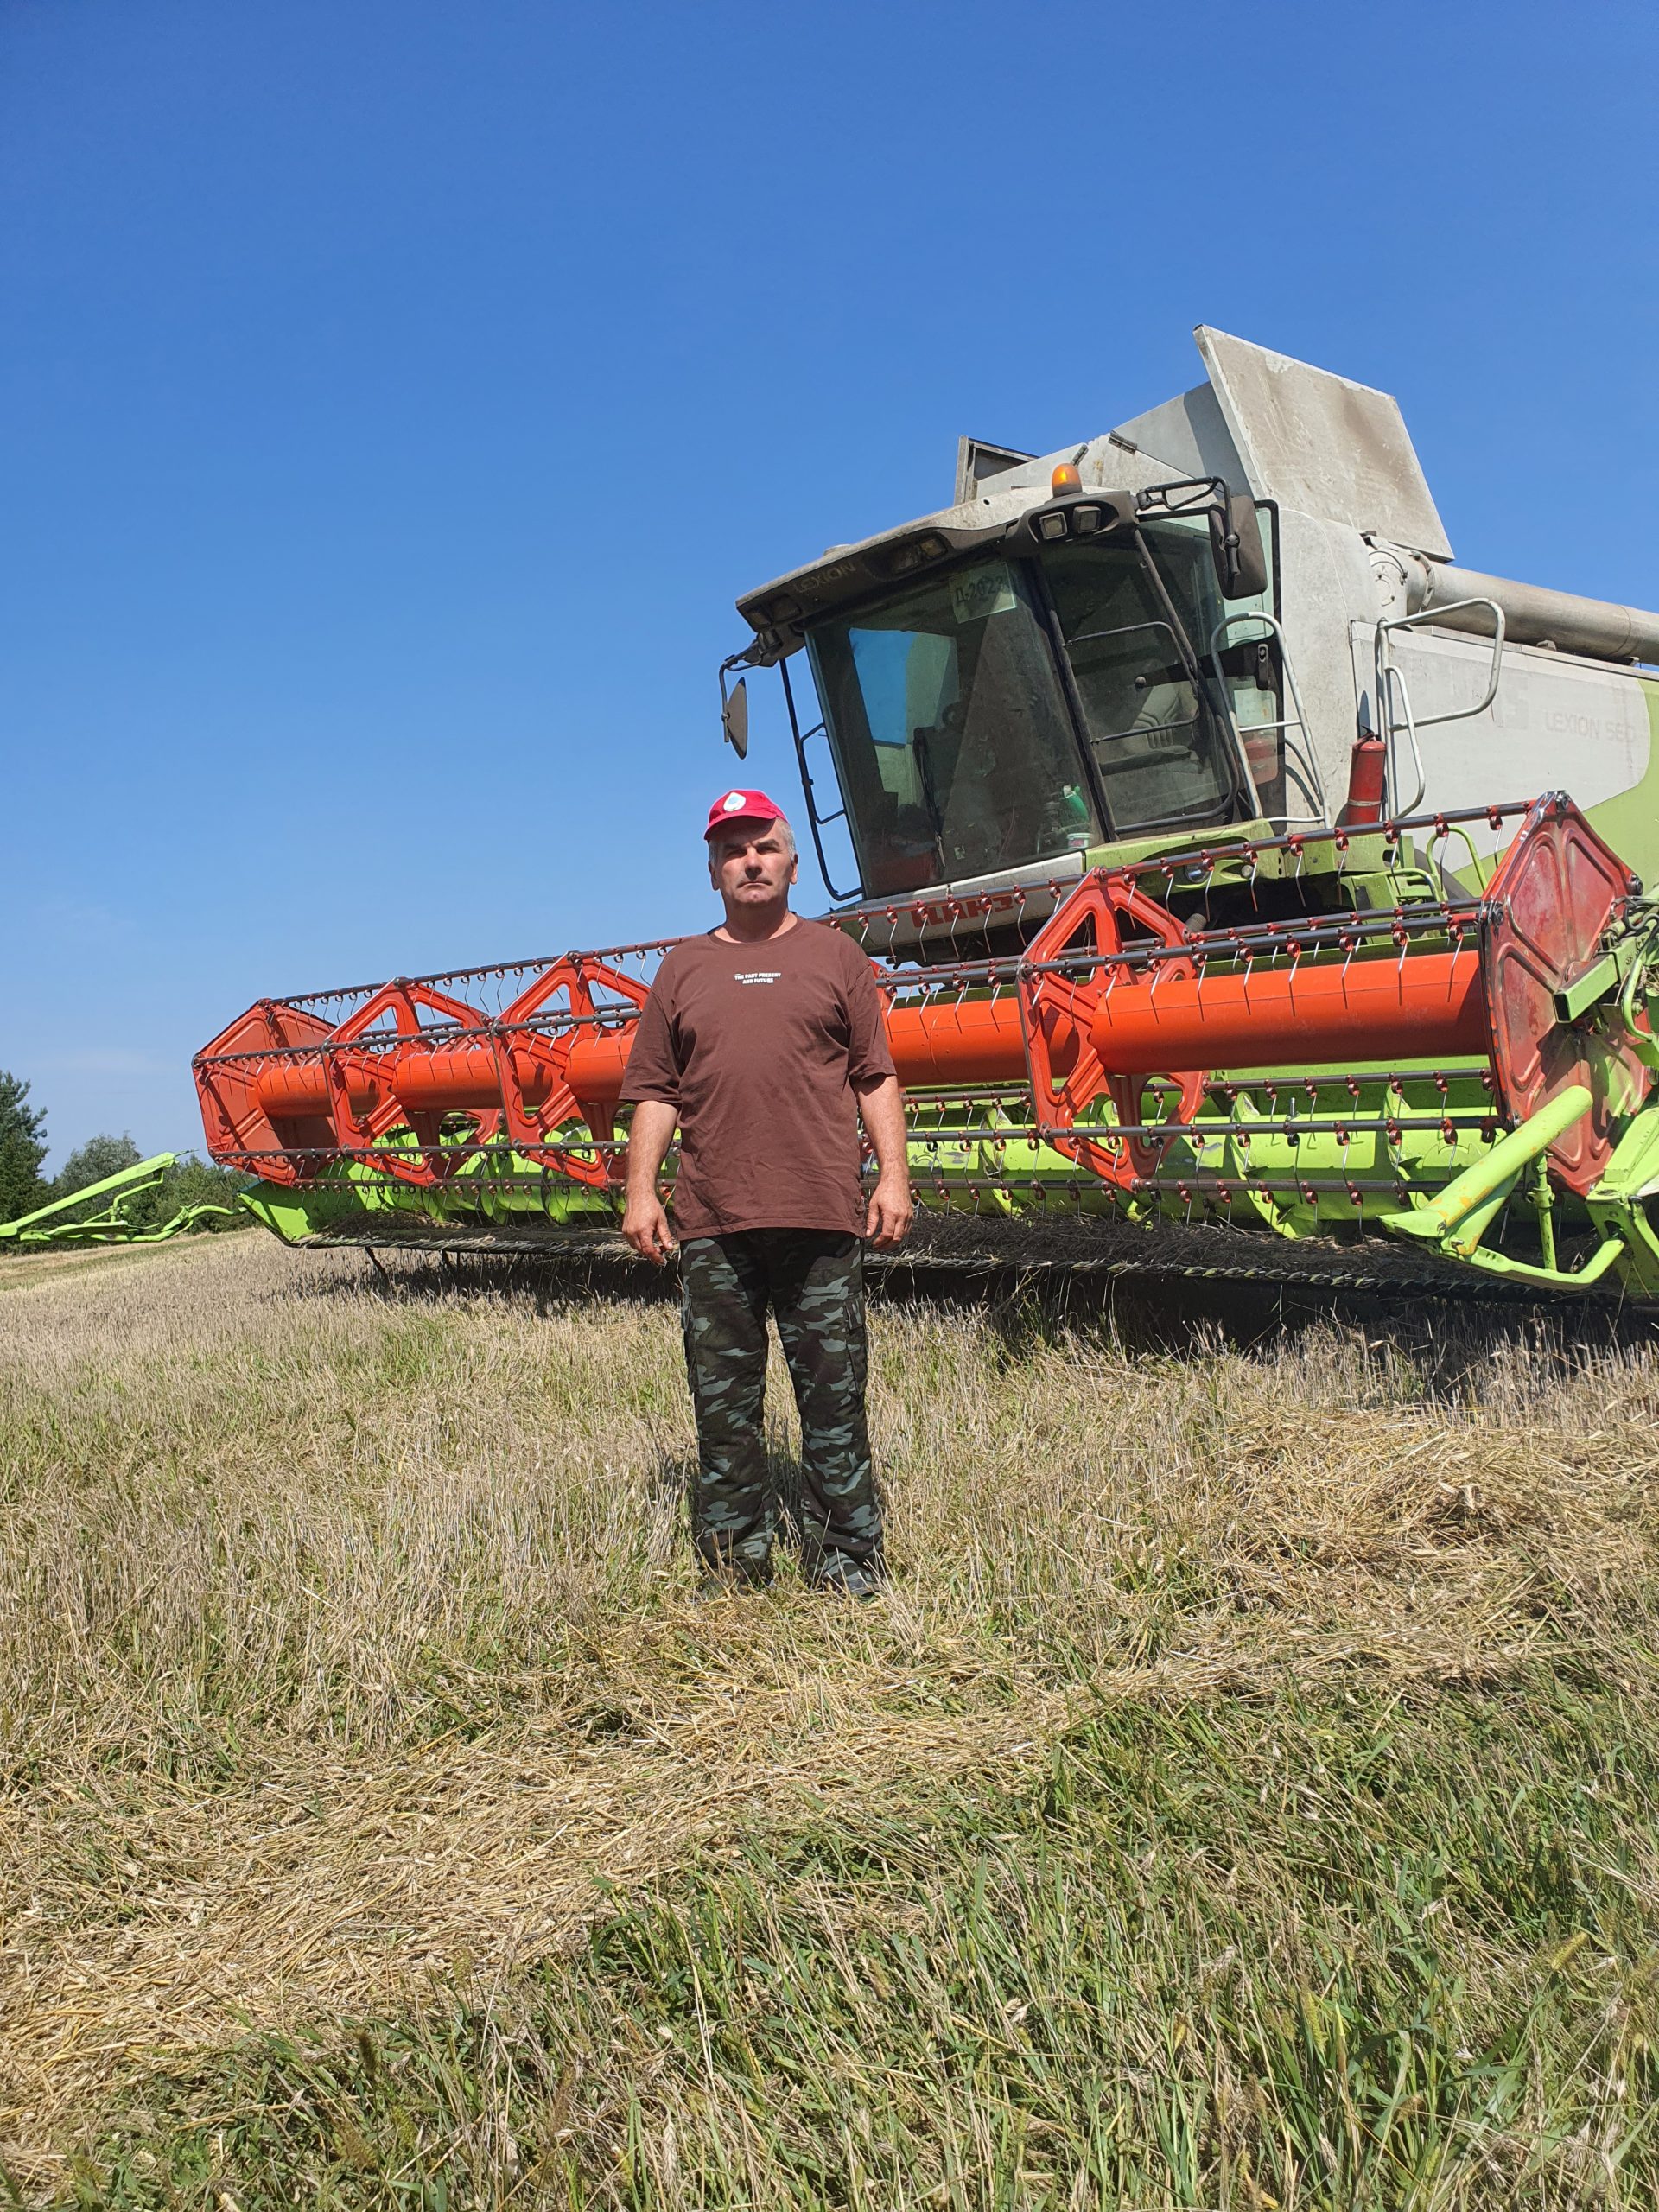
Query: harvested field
(1242,1798)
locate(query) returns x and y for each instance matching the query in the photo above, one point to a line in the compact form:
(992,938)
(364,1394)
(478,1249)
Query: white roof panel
(1323,444)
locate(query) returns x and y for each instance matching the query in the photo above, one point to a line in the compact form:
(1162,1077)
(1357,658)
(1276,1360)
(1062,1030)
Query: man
(765,1042)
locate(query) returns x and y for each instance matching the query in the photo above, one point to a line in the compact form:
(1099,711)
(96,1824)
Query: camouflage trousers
(812,1279)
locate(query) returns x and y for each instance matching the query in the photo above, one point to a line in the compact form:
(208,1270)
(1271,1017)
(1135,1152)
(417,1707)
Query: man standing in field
(765,1042)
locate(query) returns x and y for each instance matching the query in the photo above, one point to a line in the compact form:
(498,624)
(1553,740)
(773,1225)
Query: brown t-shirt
(757,1047)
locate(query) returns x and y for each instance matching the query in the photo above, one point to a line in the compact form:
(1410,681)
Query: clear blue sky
(395,394)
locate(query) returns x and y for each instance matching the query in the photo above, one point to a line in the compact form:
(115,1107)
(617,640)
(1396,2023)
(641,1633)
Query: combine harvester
(1226,854)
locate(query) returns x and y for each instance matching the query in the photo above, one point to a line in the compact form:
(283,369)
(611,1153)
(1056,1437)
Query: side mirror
(734,715)
(1235,545)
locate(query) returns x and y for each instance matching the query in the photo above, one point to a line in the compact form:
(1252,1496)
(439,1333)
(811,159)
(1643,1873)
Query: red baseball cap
(742,806)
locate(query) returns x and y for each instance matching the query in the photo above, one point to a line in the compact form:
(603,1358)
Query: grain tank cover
(1322,444)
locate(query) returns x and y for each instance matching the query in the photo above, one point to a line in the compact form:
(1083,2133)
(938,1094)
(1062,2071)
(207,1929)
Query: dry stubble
(344,1641)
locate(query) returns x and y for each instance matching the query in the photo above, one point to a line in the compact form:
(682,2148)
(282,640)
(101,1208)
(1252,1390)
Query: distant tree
(91,1161)
(23,1148)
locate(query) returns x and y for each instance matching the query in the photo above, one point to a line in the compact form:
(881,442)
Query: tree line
(190,1181)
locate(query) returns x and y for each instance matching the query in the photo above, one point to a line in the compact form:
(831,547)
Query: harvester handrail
(1307,759)
(1387,677)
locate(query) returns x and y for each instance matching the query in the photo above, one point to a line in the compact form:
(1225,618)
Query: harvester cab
(1178,630)
(1225,852)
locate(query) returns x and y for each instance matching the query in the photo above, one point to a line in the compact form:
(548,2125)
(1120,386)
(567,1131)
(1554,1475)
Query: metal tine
(358,993)
(1250,850)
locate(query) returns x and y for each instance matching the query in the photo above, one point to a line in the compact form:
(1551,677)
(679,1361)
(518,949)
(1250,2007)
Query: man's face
(751,863)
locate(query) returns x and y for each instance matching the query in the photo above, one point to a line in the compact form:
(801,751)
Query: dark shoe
(849,1581)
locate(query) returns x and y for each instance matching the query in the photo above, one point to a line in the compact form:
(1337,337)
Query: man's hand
(645,1225)
(891,1210)
(882,1103)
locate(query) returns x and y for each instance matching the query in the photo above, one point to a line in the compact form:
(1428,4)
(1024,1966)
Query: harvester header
(1223,850)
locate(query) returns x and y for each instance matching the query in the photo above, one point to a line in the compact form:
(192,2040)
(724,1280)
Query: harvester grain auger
(1140,964)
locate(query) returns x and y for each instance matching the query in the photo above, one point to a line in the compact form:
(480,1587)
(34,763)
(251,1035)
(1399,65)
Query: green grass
(1344,1953)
